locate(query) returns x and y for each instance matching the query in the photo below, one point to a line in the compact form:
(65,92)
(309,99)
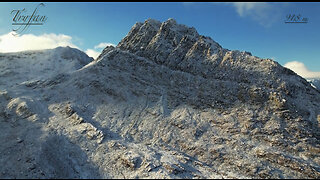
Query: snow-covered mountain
(29,66)
(165,103)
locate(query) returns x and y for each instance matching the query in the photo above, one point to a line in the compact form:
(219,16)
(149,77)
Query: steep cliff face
(169,103)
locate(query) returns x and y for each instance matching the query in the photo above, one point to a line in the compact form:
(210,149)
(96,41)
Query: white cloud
(25,42)
(301,69)
(92,53)
(97,49)
(103,45)
(244,7)
(10,43)
(264,13)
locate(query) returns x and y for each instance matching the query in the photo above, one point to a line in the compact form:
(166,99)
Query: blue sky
(255,27)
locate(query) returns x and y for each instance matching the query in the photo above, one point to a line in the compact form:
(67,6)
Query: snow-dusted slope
(165,103)
(30,66)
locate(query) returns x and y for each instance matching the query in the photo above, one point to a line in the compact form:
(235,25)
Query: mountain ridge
(190,52)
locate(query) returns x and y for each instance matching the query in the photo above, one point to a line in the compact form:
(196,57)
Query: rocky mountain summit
(165,103)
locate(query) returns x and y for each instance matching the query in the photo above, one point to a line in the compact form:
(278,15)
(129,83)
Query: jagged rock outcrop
(170,103)
(182,48)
